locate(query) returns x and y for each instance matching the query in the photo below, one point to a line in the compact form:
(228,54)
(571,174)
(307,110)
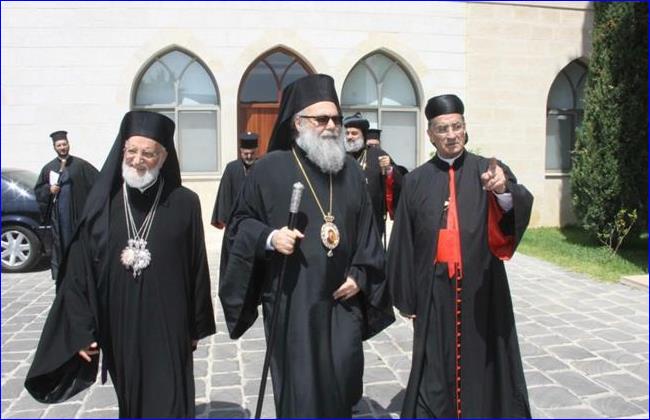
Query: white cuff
(269,245)
(505,201)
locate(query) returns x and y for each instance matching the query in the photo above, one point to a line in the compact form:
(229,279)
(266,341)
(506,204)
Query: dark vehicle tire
(21,248)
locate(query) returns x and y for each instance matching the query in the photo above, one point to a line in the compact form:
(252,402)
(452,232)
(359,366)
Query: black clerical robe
(317,363)
(231,182)
(76,179)
(144,325)
(491,376)
(384,189)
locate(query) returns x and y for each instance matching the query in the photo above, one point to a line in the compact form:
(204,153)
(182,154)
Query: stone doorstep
(639,282)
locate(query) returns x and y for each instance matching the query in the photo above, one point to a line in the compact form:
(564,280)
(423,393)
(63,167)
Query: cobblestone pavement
(584,345)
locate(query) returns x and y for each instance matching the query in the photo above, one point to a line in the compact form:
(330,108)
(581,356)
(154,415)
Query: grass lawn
(571,247)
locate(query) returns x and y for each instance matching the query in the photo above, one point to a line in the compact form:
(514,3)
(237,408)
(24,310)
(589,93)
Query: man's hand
(195,344)
(494,179)
(347,289)
(89,351)
(384,162)
(284,240)
(54,189)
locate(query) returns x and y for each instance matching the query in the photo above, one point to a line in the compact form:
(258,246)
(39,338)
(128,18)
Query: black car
(26,237)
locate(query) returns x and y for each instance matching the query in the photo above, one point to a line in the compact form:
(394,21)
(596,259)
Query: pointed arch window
(565,110)
(261,88)
(178,85)
(265,81)
(381,89)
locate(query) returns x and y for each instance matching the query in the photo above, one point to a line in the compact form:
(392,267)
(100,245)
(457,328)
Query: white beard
(354,145)
(326,150)
(135,180)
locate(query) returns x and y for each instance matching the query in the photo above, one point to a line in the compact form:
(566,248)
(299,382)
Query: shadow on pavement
(222,410)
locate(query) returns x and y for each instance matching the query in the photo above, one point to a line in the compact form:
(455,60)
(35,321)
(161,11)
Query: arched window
(180,86)
(565,108)
(380,88)
(260,90)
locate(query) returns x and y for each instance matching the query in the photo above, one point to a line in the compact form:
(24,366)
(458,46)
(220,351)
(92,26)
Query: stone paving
(584,346)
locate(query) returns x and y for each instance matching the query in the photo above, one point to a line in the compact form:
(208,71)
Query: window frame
(177,107)
(574,112)
(380,107)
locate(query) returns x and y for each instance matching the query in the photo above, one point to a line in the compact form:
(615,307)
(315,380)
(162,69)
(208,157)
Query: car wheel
(20,248)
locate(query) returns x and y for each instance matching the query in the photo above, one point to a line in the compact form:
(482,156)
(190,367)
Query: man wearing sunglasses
(333,292)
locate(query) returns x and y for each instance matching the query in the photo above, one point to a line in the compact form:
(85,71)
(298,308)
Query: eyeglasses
(146,154)
(456,127)
(322,120)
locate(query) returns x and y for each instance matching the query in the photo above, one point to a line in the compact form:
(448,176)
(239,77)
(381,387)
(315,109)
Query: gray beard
(354,146)
(134,180)
(326,151)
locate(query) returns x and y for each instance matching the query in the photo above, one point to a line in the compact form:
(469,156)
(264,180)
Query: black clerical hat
(148,124)
(357,121)
(374,133)
(297,96)
(443,104)
(59,135)
(248,140)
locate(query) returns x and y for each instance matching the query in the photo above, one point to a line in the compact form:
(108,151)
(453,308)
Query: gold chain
(362,159)
(329,213)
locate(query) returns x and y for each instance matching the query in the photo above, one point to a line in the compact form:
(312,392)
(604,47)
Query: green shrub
(609,178)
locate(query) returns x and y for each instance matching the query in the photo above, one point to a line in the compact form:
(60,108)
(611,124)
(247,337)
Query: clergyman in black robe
(328,304)
(383,176)
(233,178)
(61,191)
(145,312)
(446,272)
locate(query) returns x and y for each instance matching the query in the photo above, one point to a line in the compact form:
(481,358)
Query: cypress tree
(609,178)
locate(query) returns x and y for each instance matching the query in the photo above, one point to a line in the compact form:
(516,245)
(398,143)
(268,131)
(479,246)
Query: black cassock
(491,375)
(317,362)
(75,181)
(145,325)
(231,182)
(376,183)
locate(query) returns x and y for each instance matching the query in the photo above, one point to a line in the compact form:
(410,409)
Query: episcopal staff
(460,215)
(334,293)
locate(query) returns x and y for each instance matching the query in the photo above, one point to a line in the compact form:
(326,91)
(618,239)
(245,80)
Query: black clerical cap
(297,96)
(357,121)
(148,124)
(248,140)
(59,135)
(443,104)
(374,133)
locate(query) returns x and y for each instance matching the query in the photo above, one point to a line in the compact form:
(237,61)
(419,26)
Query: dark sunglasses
(322,120)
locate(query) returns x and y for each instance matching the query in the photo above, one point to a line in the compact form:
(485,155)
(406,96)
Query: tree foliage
(609,178)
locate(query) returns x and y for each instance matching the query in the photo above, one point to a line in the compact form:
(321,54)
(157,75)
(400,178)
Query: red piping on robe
(390,182)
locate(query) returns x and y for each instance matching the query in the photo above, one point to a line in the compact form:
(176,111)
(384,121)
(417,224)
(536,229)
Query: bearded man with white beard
(383,176)
(135,283)
(334,294)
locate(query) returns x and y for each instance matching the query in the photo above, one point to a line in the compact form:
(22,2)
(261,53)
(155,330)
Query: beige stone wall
(514,52)
(72,65)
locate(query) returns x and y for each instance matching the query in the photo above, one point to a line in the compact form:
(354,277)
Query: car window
(15,189)
(26,178)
